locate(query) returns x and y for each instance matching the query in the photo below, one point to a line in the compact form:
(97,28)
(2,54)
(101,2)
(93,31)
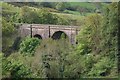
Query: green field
(83,4)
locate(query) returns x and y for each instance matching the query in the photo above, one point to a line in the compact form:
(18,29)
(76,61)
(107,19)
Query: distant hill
(76,8)
(71,12)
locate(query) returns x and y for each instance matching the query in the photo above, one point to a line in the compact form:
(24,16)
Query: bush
(102,67)
(27,47)
(14,69)
(83,49)
(39,16)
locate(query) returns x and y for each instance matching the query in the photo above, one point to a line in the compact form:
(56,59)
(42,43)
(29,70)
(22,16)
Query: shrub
(27,46)
(14,69)
(102,67)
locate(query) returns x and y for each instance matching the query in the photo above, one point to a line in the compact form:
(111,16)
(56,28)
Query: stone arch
(37,36)
(57,35)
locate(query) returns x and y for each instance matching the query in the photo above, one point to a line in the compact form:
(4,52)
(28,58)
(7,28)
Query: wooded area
(95,54)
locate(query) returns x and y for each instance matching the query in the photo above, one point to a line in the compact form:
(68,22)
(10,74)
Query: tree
(7,28)
(47,4)
(97,45)
(39,16)
(7,33)
(28,15)
(53,57)
(61,6)
(28,46)
(91,31)
(9,17)
(14,68)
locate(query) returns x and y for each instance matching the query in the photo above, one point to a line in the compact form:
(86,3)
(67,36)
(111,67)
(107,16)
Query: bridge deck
(46,25)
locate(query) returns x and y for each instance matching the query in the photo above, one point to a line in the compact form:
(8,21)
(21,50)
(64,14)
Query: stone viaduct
(44,31)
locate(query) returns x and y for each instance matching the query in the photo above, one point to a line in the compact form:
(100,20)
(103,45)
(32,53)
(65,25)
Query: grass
(83,4)
(9,7)
(72,12)
(71,17)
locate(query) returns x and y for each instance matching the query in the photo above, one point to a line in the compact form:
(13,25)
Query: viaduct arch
(44,31)
(37,36)
(58,35)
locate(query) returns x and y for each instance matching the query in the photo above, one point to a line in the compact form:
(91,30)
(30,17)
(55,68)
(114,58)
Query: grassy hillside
(12,8)
(83,4)
(73,7)
(74,17)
